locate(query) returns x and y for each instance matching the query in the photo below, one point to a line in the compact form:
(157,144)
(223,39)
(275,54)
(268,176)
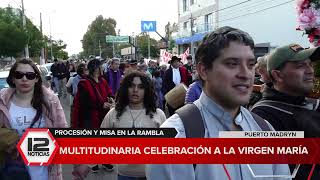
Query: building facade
(195,19)
(270,23)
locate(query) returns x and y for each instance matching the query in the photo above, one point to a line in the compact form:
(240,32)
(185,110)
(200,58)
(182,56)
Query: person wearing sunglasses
(28,104)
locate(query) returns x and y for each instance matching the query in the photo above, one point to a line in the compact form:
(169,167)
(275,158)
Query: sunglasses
(29,75)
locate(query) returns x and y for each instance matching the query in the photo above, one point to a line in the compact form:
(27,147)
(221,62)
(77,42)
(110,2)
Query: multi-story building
(195,19)
(271,23)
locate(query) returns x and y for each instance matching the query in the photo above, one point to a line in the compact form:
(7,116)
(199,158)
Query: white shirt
(176,78)
(21,119)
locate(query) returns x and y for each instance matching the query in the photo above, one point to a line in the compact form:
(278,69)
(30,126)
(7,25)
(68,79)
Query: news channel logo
(37,147)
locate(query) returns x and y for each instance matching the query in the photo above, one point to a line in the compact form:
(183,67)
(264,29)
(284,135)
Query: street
(67,169)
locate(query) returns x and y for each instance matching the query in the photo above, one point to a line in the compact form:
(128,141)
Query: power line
(247,8)
(256,11)
(228,7)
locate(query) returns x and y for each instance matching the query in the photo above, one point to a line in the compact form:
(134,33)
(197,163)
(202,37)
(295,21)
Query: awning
(187,40)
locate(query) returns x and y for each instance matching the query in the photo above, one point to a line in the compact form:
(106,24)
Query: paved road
(67,169)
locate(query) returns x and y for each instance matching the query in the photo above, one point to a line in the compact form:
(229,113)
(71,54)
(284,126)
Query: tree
(142,43)
(13,38)
(96,36)
(58,47)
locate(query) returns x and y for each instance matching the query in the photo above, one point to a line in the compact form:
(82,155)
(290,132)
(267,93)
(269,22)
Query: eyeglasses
(29,75)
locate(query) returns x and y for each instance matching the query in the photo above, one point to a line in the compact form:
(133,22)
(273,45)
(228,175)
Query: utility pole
(100,49)
(113,55)
(52,57)
(148,45)
(26,49)
(42,58)
(192,33)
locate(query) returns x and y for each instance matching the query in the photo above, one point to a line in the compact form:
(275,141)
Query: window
(185,25)
(208,21)
(193,25)
(184,5)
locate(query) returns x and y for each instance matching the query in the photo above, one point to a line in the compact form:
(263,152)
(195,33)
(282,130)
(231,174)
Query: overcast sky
(70,18)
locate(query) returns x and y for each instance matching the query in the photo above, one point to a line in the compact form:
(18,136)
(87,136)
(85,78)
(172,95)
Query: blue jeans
(120,177)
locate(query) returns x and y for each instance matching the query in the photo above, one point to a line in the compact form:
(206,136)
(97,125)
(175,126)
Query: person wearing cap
(225,64)
(175,75)
(285,105)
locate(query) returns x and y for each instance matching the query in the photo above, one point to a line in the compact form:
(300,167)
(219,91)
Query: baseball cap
(291,53)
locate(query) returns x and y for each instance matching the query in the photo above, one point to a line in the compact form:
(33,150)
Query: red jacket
(88,109)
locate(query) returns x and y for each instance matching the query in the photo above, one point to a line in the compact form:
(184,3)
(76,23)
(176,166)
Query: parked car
(3,79)
(47,66)
(45,75)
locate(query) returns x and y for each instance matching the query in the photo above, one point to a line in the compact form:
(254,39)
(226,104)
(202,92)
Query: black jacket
(290,114)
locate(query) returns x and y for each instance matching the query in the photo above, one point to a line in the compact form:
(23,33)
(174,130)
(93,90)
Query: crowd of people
(218,85)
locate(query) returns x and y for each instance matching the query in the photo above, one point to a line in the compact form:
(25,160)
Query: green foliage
(13,38)
(315,3)
(58,47)
(142,43)
(96,35)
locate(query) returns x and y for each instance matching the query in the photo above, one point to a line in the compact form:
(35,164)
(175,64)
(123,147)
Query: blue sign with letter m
(148,26)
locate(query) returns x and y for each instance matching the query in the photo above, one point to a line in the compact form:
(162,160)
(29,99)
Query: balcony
(202,28)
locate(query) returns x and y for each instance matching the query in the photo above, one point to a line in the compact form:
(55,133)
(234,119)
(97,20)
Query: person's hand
(109,104)
(80,172)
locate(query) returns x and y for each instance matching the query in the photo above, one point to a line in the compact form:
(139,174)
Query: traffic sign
(37,147)
(148,26)
(111,39)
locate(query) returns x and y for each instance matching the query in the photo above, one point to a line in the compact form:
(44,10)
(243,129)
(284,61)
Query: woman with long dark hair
(28,104)
(135,108)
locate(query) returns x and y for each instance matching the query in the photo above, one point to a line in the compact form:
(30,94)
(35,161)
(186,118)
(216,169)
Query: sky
(70,19)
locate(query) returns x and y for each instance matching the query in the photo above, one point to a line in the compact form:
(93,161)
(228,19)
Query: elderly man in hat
(175,75)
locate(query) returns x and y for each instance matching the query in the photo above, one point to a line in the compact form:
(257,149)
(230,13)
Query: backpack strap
(261,122)
(189,114)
